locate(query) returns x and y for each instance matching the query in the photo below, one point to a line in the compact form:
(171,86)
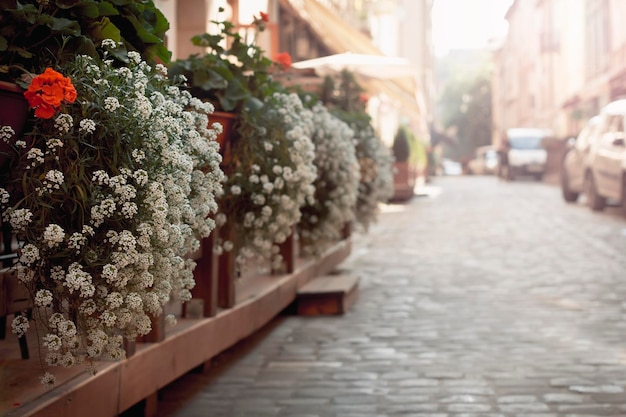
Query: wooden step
(327,295)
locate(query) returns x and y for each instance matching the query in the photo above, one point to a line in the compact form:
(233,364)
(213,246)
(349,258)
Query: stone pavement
(484,298)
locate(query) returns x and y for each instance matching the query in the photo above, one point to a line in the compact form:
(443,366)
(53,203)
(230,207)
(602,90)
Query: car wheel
(594,200)
(568,195)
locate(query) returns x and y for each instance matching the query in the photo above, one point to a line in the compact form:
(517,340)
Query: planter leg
(227,273)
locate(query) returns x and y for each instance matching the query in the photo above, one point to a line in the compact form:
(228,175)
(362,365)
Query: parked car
(605,175)
(450,167)
(523,153)
(485,161)
(576,160)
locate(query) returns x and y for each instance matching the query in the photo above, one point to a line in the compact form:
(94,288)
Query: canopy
(340,37)
(372,66)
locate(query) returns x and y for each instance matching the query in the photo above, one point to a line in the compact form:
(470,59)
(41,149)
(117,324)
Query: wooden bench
(327,295)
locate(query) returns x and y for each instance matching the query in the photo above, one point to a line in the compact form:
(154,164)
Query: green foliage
(344,92)
(408,148)
(466,104)
(233,77)
(38,34)
(401,148)
(347,101)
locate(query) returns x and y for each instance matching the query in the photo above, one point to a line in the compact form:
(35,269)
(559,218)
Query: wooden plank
(96,396)
(157,333)
(330,284)
(205,275)
(227,273)
(120,385)
(327,295)
(288,251)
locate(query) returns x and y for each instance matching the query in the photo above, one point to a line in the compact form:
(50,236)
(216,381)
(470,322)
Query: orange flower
(48,91)
(265,17)
(283,59)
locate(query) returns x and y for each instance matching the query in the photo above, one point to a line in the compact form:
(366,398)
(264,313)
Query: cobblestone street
(482,298)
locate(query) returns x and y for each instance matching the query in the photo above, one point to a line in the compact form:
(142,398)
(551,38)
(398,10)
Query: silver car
(576,161)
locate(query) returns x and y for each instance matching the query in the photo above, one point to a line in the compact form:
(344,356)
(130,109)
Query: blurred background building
(561,61)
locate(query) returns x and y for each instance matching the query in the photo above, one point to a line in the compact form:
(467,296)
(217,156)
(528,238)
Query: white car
(485,161)
(605,174)
(576,161)
(524,153)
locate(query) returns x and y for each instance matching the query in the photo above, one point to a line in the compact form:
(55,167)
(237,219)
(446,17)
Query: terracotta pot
(14,113)
(227,120)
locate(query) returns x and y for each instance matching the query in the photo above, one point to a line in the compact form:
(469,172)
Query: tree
(465,105)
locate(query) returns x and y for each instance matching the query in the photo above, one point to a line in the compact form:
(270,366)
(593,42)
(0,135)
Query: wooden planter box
(404,180)
(192,342)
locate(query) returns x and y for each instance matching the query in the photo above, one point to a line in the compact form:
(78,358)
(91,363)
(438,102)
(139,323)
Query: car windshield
(525,142)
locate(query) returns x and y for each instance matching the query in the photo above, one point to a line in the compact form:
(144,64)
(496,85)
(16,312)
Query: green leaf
(65,26)
(89,9)
(253,103)
(21,52)
(3,43)
(142,32)
(105,29)
(107,9)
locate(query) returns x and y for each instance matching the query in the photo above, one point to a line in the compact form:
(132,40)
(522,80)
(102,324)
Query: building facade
(562,60)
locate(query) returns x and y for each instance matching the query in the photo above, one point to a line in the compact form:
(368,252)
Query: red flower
(283,59)
(265,17)
(48,91)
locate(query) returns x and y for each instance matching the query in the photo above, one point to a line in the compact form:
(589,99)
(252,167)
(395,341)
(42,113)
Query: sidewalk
(480,298)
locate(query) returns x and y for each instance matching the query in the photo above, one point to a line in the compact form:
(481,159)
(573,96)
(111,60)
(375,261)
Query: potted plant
(347,101)
(270,177)
(37,34)
(233,73)
(336,185)
(405,153)
(115,188)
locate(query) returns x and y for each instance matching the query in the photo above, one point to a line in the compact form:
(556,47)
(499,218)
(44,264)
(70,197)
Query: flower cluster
(270,177)
(376,165)
(115,190)
(336,186)
(48,91)
(376,168)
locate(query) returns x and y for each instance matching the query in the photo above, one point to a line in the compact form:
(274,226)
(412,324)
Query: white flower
(20,218)
(43,298)
(20,325)
(63,122)
(111,104)
(109,44)
(47,379)
(235,190)
(36,155)
(53,235)
(87,126)
(6,133)
(134,57)
(54,179)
